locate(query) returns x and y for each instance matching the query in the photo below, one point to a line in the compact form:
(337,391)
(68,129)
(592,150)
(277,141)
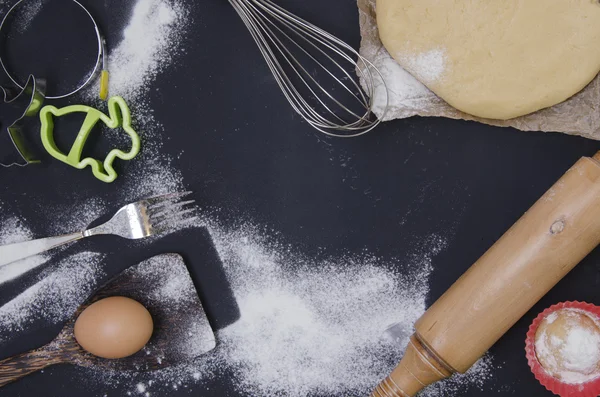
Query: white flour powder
(27,13)
(407,95)
(307,326)
(429,66)
(313,326)
(13,230)
(152,176)
(572,355)
(581,350)
(149,45)
(68,218)
(54,297)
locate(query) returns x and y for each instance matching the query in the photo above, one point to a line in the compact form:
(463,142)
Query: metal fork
(144,218)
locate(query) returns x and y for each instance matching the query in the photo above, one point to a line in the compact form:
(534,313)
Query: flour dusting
(27,12)
(308,326)
(149,45)
(428,66)
(70,218)
(570,352)
(13,230)
(311,326)
(54,297)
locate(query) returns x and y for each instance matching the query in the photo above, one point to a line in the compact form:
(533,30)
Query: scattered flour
(27,13)
(67,218)
(24,14)
(152,176)
(173,283)
(407,95)
(16,269)
(150,43)
(429,66)
(477,376)
(13,230)
(54,297)
(313,327)
(307,326)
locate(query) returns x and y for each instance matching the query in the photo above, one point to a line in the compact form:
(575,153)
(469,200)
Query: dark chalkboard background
(245,150)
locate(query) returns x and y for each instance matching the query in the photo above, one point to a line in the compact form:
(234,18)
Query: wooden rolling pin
(531,258)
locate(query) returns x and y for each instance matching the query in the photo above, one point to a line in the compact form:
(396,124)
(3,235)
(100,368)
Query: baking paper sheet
(579,115)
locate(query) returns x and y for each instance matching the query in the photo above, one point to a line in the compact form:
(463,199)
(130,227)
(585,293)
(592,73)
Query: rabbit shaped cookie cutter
(119,116)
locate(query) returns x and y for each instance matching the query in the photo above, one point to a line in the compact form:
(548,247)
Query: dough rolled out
(495,59)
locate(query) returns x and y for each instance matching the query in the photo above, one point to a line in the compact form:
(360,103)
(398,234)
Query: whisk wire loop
(278,33)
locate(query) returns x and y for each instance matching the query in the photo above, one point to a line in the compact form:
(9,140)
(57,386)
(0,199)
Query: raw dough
(495,59)
(567,345)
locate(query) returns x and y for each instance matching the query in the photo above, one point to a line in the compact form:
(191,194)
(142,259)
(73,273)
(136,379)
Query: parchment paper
(579,115)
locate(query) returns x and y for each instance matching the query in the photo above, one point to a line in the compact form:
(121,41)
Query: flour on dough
(495,59)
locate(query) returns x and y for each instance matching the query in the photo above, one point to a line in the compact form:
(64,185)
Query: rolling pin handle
(419,368)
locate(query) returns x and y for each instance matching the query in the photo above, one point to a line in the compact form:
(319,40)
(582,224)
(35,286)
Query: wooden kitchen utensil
(532,256)
(181,329)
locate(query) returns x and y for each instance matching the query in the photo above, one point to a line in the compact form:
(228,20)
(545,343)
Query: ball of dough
(567,345)
(495,59)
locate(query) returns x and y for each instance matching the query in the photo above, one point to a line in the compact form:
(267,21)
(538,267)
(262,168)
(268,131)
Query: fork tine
(170,227)
(166,198)
(158,210)
(171,218)
(173,223)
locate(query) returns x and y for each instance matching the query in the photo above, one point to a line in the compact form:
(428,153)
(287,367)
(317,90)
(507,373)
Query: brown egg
(114,327)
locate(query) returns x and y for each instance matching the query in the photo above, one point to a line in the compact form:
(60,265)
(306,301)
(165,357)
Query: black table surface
(240,147)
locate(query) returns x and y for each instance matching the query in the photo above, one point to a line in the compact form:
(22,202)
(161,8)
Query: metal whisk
(278,33)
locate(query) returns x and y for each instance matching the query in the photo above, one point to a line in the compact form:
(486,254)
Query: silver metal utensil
(296,51)
(144,218)
(100,62)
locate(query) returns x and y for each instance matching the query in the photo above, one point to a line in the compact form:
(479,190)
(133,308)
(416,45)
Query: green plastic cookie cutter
(119,116)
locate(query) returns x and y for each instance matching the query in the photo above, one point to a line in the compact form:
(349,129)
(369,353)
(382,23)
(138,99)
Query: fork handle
(14,252)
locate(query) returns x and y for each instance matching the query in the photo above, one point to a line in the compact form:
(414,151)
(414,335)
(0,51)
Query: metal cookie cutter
(99,66)
(14,149)
(34,90)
